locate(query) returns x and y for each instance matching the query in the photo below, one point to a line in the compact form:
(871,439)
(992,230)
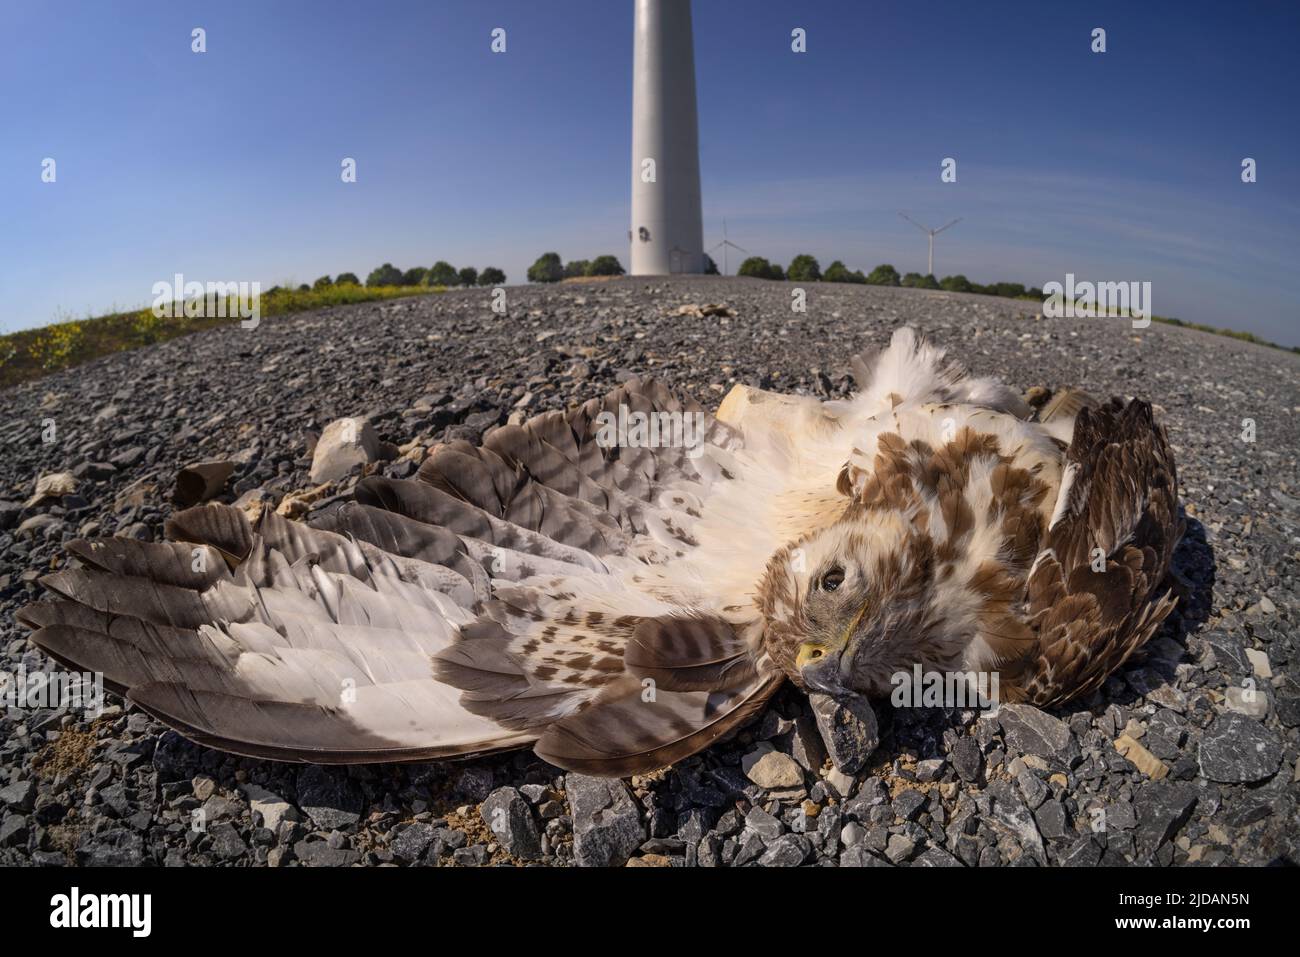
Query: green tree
(1011,290)
(755,266)
(710,267)
(491,276)
(347,279)
(776,272)
(576,267)
(468,276)
(837,272)
(547,268)
(414,276)
(957,283)
(385,275)
(885,275)
(804,268)
(605,266)
(324,282)
(917,281)
(442,273)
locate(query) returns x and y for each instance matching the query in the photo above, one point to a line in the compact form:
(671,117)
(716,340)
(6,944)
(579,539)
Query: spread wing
(1094,594)
(545,587)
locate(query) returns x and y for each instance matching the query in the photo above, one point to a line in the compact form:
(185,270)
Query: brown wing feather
(425,597)
(1124,500)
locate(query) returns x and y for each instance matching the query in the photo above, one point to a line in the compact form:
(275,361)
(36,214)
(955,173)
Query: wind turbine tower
(931,233)
(667,231)
(726,246)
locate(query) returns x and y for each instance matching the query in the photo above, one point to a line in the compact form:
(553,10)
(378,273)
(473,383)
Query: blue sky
(225,165)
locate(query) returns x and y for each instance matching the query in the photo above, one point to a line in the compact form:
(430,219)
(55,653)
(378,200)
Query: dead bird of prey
(621,584)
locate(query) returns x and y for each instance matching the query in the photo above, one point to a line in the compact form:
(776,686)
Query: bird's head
(854,604)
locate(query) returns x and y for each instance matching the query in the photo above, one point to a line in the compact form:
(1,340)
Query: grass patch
(1230,333)
(34,353)
(1119,313)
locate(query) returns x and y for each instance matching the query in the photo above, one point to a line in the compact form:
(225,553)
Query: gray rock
(414,839)
(859,856)
(111,848)
(935,857)
(899,848)
(764,825)
(1011,812)
(1053,821)
(967,760)
(1236,748)
(930,770)
(751,849)
(21,795)
(1085,852)
(804,744)
(14,831)
(1162,809)
(908,804)
(508,816)
(320,854)
(788,850)
(848,728)
(476,855)
(607,826)
(1027,730)
(226,842)
(1031,788)
(9,514)
(328,797)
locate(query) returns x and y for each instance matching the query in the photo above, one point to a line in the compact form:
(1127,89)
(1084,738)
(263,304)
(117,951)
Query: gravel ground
(1210,773)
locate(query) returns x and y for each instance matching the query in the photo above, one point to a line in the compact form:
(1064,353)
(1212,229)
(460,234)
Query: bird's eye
(832,580)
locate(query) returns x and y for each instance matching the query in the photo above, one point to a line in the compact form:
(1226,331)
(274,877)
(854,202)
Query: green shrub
(414,276)
(468,276)
(957,283)
(547,268)
(491,276)
(576,267)
(605,266)
(917,281)
(804,268)
(347,279)
(322,282)
(885,275)
(838,272)
(442,273)
(755,266)
(710,267)
(385,275)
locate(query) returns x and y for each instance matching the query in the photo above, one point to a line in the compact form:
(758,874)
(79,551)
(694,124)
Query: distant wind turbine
(726,245)
(931,233)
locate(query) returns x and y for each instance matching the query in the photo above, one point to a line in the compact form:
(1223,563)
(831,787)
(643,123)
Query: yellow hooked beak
(811,652)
